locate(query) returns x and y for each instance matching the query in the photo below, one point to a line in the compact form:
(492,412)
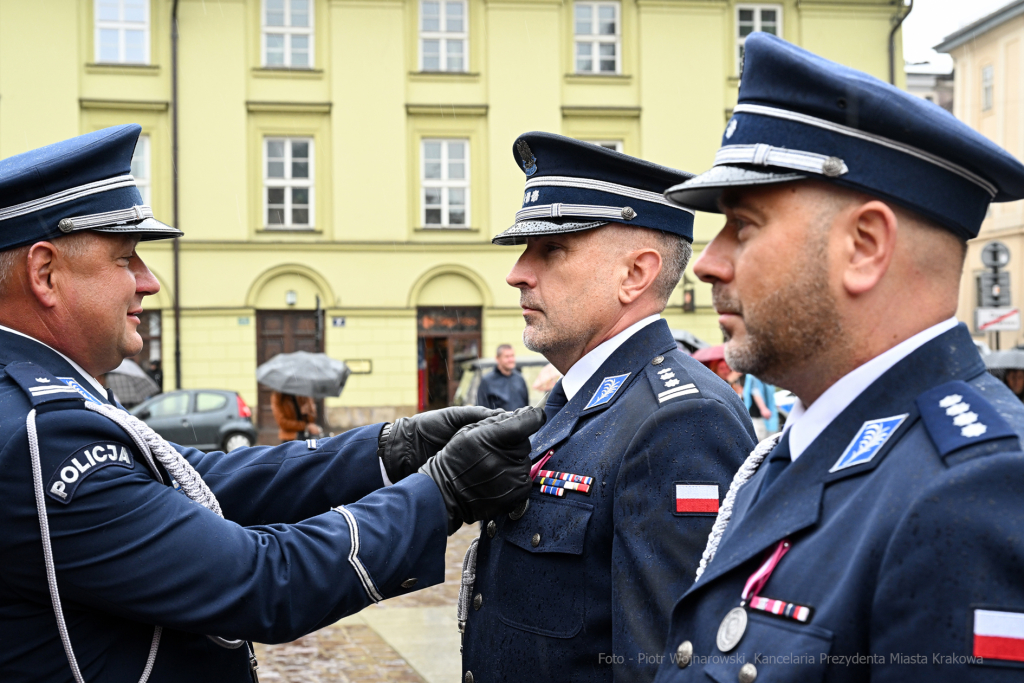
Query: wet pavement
(410,639)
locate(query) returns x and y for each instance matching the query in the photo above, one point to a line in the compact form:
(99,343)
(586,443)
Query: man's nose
(146,283)
(522,275)
(714,263)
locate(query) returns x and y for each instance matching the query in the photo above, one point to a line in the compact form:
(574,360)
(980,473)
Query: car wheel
(236,441)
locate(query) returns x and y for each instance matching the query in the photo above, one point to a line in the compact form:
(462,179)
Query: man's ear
(41,267)
(868,233)
(642,268)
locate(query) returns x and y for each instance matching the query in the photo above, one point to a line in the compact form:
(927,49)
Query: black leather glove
(485,469)
(413,440)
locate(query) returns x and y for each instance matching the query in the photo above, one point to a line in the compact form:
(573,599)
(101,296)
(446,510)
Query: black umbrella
(304,374)
(130,383)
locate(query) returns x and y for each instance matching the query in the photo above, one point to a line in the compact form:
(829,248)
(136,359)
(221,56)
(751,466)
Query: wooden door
(447,338)
(283,332)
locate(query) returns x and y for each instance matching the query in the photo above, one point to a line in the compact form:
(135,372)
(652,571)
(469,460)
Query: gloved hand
(485,469)
(413,440)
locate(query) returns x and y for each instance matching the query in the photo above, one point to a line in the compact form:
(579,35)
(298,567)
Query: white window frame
(757,26)
(120,26)
(288,183)
(443,36)
(288,32)
(444,184)
(614,145)
(988,83)
(597,39)
(143,152)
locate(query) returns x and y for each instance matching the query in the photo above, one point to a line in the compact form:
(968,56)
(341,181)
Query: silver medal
(731,629)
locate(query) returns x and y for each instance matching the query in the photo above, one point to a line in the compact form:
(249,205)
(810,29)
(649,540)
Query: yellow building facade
(355,155)
(987,88)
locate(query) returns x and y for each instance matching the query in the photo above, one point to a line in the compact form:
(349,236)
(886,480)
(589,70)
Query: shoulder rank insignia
(39,384)
(869,440)
(957,415)
(669,380)
(604,393)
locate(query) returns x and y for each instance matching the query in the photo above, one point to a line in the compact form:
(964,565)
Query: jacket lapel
(606,385)
(793,502)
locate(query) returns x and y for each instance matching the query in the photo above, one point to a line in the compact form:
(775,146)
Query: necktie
(556,401)
(779,460)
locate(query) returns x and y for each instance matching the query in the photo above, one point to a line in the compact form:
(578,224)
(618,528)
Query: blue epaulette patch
(669,380)
(957,416)
(40,386)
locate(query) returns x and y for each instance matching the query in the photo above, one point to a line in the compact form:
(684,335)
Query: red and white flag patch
(999,635)
(696,498)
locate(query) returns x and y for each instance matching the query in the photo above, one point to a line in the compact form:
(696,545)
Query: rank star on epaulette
(869,440)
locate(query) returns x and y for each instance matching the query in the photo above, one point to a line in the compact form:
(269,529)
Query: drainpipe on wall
(174,163)
(897,21)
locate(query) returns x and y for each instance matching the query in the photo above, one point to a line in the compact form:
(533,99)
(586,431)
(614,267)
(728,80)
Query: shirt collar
(78,368)
(805,424)
(585,367)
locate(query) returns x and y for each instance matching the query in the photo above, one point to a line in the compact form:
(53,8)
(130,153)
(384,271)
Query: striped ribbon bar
(782,608)
(561,483)
(553,491)
(566,476)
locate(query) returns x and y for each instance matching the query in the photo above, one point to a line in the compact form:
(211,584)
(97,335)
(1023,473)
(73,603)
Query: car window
(205,402)
(169,406)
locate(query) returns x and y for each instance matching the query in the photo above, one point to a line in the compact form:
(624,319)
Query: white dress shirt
(81,371)
(805,424)
(585,367)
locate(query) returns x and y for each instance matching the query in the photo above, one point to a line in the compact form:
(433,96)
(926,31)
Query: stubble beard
(556,337)
(788,327)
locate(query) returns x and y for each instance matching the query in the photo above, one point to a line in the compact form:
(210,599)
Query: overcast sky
(933,20)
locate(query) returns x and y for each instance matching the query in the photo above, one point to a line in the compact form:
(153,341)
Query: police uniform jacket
(132,552)
(580,587)
(905,521)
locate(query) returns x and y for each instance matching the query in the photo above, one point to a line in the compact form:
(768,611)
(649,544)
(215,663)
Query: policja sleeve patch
(82,463)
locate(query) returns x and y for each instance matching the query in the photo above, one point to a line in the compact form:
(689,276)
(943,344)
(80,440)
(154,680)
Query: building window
(288,34)
(288,183)
(614,145)
(750,18)
(597,38)
(141,168)
(986,87)
(445,183)
(444,36)
(122,31)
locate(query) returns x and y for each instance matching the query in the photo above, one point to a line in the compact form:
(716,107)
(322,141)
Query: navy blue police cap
(800,116)
(573,185)
(84,183)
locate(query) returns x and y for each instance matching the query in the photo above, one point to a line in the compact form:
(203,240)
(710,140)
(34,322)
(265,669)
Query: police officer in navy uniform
(127,558)
(640,444)
(881,538)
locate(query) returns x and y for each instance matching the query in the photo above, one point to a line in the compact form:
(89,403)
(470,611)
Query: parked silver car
(207,419)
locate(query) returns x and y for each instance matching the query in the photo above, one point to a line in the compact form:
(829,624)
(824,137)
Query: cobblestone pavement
(354,652)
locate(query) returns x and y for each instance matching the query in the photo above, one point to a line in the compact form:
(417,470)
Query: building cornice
(981,26)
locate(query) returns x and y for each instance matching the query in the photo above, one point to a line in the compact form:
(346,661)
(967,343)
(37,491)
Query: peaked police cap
(573,185)
(84,183)
(801,116)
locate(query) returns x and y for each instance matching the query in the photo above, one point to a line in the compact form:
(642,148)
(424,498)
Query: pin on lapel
(869,440)
(605,392)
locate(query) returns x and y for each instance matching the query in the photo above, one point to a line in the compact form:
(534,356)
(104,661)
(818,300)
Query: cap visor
(518,233)
(147,229)
(702,192)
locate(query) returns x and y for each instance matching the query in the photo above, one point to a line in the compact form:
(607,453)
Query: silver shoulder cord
(151,444)
(743,475)
(466,587)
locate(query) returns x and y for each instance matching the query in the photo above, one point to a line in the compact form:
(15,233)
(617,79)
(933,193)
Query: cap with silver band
(573,186)
(84,183)
(800,116)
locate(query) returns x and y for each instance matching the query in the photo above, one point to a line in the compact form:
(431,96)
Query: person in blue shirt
(759,398)
(881,536)
(128,558)
(504,386)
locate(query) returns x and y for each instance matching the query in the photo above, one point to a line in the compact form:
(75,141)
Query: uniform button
(658,360)
(684,654)
(748,672)
(519,511)
(492,529)
(535,541)
(409,583)
(468,678)
(478,601)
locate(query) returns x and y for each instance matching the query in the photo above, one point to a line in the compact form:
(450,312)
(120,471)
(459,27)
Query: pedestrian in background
(759,397)
(504,386)
(295,416)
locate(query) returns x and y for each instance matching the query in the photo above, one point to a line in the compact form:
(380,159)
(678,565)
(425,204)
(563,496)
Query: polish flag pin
(999,635)
(692,498)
